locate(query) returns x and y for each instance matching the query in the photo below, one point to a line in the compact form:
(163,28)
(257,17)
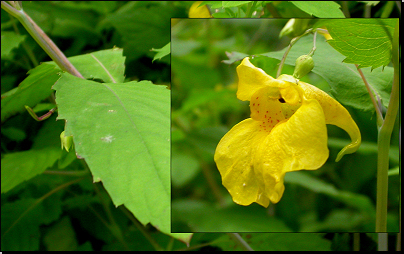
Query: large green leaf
(366,42)
(122,130)
(35,88)
(321,9)
(346,84)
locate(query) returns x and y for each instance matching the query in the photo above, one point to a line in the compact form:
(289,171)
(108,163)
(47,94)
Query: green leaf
(21,166)
(320,9)
(123,132)
(162,52)
(203,217)
(23,235)
(366,42)
(345,81)
(226,4)
(234,57)
(141,27)
(10,41)
(277,242)
(107,65)
(35,88)
(359,201)
(186,168)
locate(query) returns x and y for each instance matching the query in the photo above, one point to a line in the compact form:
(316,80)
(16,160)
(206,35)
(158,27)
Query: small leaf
(320,9)
(10,41)
(35,88)
(162,52)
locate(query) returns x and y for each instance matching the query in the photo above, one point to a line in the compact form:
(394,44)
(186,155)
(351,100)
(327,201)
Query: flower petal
(296,144)
(252,79)
(233,157)
(335,114)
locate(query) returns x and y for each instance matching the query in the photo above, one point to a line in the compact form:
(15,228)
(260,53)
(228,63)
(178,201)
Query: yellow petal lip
(233,157)
(251,79)
(297,144)
(335,114)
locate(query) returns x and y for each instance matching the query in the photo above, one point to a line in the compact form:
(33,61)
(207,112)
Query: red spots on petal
(253,104)
(277,120)
(258,104)
(267,112)
(257,98)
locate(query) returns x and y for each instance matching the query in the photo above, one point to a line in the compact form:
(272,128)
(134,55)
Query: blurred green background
(338,197)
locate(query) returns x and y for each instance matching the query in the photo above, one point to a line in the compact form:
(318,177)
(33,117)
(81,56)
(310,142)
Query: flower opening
(286,132)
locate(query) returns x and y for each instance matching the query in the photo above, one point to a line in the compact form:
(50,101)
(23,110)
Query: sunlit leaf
(366,42)
(320,9)
(122,130)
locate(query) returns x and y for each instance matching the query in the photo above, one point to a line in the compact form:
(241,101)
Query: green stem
(42,39)
(250,9)
(292,42)
(240,241)
(384,141)
(372,97)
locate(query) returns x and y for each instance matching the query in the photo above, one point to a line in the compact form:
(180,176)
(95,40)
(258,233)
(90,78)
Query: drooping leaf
(320,9)
(345,82)
(35,88)
(366,42)
(122,130)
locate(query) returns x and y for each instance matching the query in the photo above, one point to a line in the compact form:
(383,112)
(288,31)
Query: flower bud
(66,141)
(295,27)
(304,64)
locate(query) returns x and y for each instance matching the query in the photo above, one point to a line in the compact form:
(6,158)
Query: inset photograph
(275,125)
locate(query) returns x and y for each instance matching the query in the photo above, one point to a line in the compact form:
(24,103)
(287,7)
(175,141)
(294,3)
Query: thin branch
(375,105)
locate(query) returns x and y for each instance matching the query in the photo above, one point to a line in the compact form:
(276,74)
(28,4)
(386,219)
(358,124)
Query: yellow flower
(197,11)
(286,132)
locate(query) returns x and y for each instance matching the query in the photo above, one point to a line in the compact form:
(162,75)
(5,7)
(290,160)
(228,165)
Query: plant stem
(384,141)
(372,97)
(292,42)
(42,39)
(240,241)
(250,9)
